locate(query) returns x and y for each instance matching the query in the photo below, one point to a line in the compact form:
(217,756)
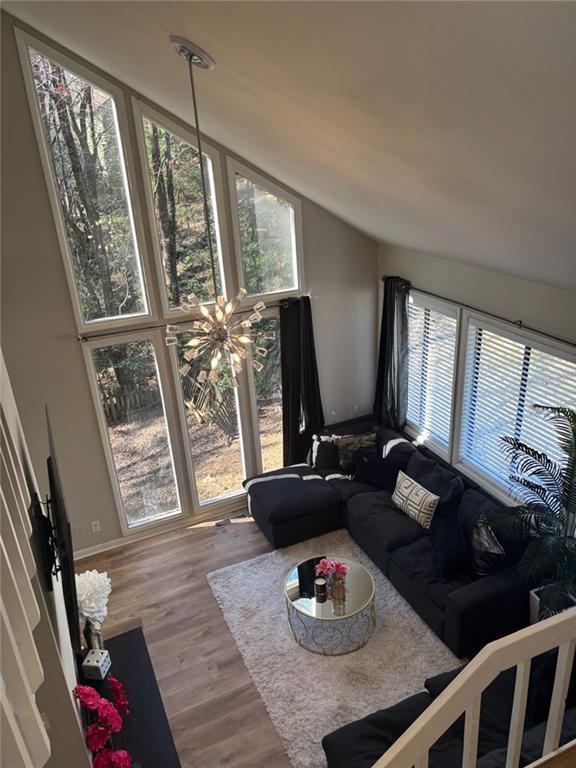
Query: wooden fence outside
(118,406)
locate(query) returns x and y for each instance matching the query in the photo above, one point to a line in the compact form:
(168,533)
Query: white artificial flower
(93,589)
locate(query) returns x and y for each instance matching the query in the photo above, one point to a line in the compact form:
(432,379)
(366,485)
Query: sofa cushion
(532,744)
(451,555)
(387,525)
(348,488)
(413,499)
(437,479)
(417,561)
(360,743)
(286,498)
(379,472)
(497,699)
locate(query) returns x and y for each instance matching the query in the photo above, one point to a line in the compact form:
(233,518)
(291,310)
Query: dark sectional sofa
(466,611)
(360,744)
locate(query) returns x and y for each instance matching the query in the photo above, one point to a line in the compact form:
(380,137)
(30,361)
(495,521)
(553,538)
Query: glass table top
(299,590)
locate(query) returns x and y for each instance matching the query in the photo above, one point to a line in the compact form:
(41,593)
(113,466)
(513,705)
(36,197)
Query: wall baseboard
(234,506)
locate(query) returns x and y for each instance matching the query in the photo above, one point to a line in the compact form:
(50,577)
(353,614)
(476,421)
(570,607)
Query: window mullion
(522,393)
(458,385)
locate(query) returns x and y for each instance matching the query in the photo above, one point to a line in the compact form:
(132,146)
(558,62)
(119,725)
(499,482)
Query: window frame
(516,334)
(25,42)
(142,111)
(448,309)
(233,167)
(185,499)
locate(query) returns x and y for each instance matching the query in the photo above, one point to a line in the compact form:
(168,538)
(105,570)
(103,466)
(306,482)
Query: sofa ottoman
(292,509)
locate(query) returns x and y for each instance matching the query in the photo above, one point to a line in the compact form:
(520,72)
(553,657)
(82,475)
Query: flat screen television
(62,535)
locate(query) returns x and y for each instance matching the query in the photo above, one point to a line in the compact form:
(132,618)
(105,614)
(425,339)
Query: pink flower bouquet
(332,568)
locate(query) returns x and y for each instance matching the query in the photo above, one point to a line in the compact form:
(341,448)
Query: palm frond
(533,493)
(564,421)
(528,461)
(555,598)
(524,522)
(511,522)
(540,559)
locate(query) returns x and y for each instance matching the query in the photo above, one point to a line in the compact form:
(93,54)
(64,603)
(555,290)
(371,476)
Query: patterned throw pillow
(351,447)
(416,501)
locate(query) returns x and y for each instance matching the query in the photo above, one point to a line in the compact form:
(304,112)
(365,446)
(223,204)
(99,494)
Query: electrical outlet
(95,526)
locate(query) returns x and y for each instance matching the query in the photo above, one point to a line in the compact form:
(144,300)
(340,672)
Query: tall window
(267,226)
(504,377)
(168,453)
(431,353)
(268,384)
(131,399)
(175,186)
(80,128)
(213,430)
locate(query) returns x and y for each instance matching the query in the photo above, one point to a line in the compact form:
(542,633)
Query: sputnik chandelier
(217,334)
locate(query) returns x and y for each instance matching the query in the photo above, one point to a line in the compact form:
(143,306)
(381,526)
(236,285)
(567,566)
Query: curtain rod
(515,323)
(84,337)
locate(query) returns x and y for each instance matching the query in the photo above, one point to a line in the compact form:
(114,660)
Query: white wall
(547,308)
(45,361)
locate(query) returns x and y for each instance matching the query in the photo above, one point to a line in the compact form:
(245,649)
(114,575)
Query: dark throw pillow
(439,480)
(324,452)
(351,447)
(473,507)
(375,471)
(487,552)
(449,546)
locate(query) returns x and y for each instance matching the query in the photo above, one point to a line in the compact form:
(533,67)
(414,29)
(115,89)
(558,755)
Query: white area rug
(307,695)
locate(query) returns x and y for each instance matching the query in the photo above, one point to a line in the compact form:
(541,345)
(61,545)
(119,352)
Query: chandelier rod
(203,177)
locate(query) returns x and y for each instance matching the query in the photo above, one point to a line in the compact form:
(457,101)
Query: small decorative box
(96,665)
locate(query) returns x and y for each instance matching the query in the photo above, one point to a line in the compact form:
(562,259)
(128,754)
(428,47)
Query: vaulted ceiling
(444,126)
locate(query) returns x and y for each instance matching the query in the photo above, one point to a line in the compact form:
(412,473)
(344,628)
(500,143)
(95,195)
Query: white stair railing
(464,694)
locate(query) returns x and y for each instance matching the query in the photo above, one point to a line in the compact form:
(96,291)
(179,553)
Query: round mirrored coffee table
(333,627)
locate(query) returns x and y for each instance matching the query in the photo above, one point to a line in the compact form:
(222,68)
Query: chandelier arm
(203,178)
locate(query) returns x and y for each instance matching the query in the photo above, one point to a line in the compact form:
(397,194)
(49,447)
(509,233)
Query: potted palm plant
(545,520)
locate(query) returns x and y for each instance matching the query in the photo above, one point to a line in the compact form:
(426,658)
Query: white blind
(503,379)
(431,350)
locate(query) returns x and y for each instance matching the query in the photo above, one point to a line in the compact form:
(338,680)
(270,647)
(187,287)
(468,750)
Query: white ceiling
(444,126)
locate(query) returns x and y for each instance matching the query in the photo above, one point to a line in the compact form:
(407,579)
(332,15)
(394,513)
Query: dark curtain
(391,398)
(302,413)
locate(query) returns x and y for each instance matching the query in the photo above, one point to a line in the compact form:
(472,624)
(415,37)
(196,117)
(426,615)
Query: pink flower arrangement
(108,721)
(119,697)
(109,717)
(88,696)
(96,737)
(113,758)
(332,568)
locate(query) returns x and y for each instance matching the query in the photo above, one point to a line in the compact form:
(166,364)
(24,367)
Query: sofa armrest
(484,610)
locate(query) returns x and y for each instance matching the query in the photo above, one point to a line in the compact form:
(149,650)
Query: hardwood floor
(216,714)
